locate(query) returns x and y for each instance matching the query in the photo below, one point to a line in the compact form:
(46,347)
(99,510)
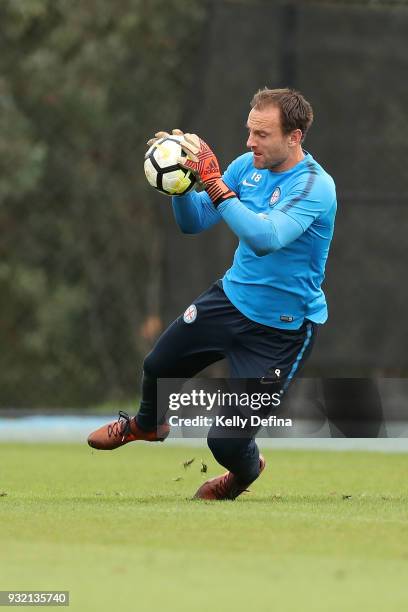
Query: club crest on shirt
(275,196)
(190,314)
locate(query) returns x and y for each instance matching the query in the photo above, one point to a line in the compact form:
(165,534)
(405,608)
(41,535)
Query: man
(262,316)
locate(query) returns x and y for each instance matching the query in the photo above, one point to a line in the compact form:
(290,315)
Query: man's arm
(262,233)
(194,212)
(287,221)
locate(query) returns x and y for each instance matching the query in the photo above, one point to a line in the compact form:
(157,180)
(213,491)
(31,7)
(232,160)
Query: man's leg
(275,356)
(189,344)
(181,352)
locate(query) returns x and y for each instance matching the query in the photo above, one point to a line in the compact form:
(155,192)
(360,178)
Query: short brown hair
(296,111)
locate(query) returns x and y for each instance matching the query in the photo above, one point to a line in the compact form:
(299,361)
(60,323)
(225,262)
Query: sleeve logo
(275,197)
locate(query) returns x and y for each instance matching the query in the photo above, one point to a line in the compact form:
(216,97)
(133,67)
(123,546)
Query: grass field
(320,531)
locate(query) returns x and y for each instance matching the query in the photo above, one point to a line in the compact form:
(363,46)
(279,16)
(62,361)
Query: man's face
(270,146)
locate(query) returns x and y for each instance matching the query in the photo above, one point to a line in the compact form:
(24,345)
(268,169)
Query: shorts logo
(286,318)
(275,197)
(190,314)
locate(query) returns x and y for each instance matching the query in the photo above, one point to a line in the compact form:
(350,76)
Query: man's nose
(250,142)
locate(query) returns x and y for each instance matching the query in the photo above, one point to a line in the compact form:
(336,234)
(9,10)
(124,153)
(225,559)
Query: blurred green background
(92,266)
(83,84)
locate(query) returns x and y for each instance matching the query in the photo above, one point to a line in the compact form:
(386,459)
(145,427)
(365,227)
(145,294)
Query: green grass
(119,532)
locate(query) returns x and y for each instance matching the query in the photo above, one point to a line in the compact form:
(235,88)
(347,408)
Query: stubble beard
(268,165)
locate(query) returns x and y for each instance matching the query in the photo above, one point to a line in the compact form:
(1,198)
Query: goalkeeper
(263,315)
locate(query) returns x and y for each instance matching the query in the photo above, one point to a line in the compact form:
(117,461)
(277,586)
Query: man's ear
(295,138)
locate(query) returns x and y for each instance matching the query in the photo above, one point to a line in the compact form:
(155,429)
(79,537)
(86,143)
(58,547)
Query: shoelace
(121,427)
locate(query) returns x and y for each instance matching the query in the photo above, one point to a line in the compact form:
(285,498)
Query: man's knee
(227,448)
(153,365)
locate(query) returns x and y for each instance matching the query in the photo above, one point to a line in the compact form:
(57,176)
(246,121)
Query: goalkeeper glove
(202,161)
(159,135)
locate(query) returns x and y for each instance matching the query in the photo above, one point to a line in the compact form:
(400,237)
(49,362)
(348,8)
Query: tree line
(83,84)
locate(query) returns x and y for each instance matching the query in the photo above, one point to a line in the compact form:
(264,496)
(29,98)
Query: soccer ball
(162,169)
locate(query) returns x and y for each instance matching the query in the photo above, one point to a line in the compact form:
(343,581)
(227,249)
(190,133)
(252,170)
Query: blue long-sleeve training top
(284,222)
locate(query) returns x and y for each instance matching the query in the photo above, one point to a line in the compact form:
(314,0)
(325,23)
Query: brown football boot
(125,430)
(225,486)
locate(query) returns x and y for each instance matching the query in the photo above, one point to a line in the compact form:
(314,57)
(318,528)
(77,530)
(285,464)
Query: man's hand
(159,135)
(202,161)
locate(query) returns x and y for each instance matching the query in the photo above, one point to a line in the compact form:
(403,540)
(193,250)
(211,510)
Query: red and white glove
(201,160)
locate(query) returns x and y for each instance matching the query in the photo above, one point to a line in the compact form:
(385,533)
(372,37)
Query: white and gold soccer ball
(162,169)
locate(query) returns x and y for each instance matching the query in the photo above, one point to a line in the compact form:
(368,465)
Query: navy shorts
(212,329)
